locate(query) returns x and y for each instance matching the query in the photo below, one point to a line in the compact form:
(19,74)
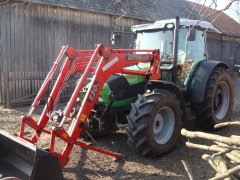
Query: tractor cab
(181,44)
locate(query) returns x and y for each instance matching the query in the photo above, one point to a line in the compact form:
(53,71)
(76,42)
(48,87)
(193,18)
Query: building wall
(31,36)
(224,48)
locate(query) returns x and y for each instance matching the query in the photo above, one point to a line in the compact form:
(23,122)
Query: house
(32,33)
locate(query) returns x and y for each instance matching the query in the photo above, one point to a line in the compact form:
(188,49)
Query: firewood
(220,153)
(208,136)
(223,145)
(235,136)
(233,158)
(187,170)
(205,147)
(230,166)
(227,173)
(226,159)
(217,163)
(236,153)
(220,125)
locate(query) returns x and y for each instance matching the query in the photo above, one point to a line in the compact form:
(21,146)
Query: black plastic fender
(169,86)
(200,78)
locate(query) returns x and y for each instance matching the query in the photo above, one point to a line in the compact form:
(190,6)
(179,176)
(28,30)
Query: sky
(221,4)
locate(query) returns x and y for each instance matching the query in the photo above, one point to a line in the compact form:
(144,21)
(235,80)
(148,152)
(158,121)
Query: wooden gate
(22,87)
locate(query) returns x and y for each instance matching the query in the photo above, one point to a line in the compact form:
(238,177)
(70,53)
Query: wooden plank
(16,42)
(12,37)
(71,28)
(46,47)
(17,87)
(36,39)
(1,57)
(42,27)
(7,89)
(35,77)
(82,35)
(20,40)
(87,31)
(23,86)
(1,80)
(4,89)
(80,29)
(7,63)
(32,84)
(52,40)
(28,83)
(27,40)
(77,25)
(11,87)
(36,83)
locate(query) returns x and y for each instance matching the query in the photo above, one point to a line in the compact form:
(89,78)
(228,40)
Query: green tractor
(191,87)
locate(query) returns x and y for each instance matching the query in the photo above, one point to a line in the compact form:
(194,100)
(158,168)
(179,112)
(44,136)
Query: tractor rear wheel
(218,101)
(154,123)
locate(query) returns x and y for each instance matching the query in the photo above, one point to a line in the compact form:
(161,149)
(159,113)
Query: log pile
(225,159)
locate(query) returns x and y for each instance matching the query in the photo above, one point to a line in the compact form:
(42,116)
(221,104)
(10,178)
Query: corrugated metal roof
(151,10)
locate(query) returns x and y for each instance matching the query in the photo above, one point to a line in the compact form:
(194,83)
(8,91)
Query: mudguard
(167,85)
(200,78)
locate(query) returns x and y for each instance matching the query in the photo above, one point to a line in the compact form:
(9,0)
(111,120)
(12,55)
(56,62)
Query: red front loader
(99,64)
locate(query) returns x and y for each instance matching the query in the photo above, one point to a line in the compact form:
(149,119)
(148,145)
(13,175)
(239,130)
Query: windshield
(162,40)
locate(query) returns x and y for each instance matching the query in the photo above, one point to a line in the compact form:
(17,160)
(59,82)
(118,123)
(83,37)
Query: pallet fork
(102,62)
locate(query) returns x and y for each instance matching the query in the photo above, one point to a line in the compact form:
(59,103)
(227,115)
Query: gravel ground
(86,164)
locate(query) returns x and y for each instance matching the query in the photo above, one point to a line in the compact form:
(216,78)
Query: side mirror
(114,37)
(192,35)
(134,35)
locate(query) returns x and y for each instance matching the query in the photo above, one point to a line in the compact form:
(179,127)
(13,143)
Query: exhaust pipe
(26,161)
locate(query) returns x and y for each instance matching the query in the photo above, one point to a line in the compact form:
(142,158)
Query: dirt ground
(86,164)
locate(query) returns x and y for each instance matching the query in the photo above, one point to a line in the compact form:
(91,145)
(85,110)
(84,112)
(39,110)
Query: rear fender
(196,90)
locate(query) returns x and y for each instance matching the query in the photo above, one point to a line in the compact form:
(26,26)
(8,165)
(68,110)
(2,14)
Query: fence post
(7,83)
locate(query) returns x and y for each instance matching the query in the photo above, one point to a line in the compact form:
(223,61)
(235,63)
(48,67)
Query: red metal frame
(101,62)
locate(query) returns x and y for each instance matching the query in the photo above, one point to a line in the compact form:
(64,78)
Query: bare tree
(236,10)
(211,11)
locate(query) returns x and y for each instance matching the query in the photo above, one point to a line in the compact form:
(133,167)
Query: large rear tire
(218,100)
(154,123)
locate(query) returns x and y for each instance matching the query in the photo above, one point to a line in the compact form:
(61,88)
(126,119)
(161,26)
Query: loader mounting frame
(101,63)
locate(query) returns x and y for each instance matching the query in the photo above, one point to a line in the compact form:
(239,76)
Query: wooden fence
(22,87)
(30,41)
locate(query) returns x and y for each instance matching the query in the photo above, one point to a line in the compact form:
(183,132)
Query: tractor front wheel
(154,123)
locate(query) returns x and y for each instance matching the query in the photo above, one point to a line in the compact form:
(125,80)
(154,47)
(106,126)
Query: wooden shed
(33,31)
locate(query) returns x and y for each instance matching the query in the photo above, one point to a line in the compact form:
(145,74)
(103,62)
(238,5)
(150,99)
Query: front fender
(169,86)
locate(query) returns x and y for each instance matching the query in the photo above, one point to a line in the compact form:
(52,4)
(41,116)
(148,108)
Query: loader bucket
(22,159)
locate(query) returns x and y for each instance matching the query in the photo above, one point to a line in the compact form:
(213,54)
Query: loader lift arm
(101,63)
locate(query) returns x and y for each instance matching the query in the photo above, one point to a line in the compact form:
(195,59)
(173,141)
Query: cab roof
(183,22)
